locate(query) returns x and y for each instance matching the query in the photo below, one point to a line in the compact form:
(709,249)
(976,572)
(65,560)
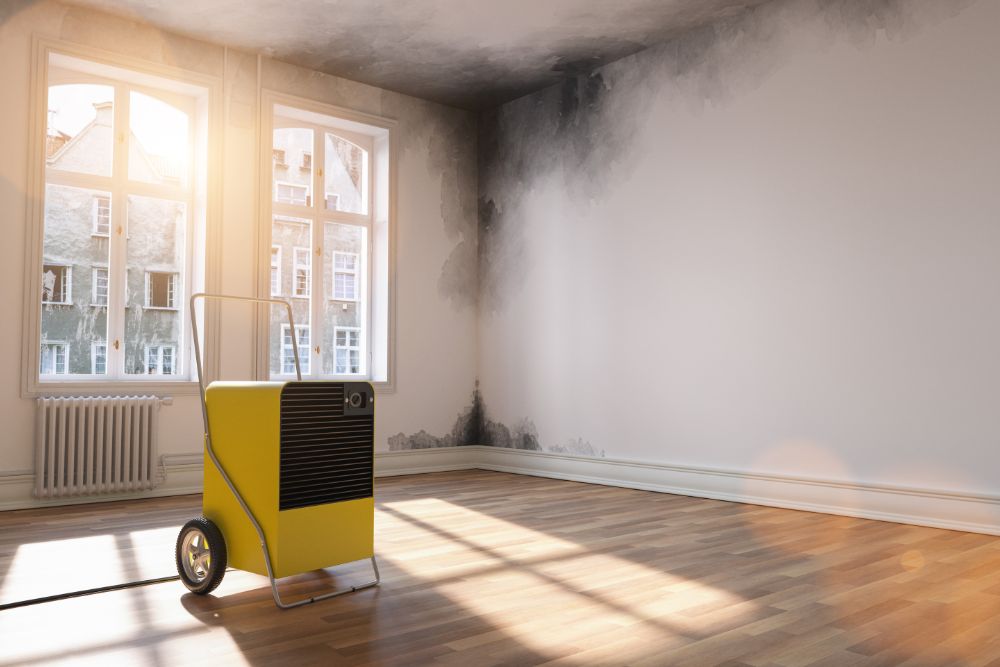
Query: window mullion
(117,274)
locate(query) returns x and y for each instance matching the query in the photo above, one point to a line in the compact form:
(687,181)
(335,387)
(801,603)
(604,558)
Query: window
(291,193)
(160,359)
(99,291)
(102,215)
(98,358)
(348,348)
(307,160)
(57,281)
(288,352)
(161,290)
(54,358)
(345,232)
(345,276)
(279,157)
(276,270)
(125,156)
(303,269)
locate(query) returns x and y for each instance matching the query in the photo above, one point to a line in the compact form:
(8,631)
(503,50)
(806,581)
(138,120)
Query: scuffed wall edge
(935,508)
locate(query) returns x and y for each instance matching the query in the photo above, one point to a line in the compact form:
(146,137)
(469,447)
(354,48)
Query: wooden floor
(483,568)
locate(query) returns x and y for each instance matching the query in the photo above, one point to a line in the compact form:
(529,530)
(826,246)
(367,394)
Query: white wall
(437,335)
(772,246)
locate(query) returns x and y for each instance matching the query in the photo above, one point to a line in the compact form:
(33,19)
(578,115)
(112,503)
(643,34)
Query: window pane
(344,299)
(292,175)
(160,142)
(291,242)
(155,262)
(346,176)
(80,132)
(70,255)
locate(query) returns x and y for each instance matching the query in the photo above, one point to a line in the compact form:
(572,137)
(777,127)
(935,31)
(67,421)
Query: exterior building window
(99,358)
(332,215)
(102,215)
(161,290)
(290,193)
(121,207)
(288,352)
(99,292)
(276,270)
(348,349)
(279,157)
(345,276)
(57,284)
(160,359)
(54,358)
(303,271)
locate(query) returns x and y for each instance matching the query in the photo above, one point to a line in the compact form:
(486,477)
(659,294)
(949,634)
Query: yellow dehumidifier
(288,478)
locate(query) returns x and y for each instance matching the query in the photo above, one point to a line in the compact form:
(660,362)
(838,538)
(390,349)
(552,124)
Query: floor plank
(483,568)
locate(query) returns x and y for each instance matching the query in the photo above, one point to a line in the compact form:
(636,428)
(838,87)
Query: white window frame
(94,346)
(287,354)
(110,68)
(67,284)
(376,271)
(275,270)
(171,290)
(348,348)
(96,231)
(355,273)
(298,252)
(54,343)
(306,156)
(94,295)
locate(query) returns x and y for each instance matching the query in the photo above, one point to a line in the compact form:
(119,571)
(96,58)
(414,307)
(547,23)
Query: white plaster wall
(793,267)
(436,349)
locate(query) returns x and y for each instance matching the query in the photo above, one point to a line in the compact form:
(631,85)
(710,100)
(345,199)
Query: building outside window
(348,349)
(276,270)
(288,351)
(98,358)
(345,276)
(99,281)
(161,290)
(102,215)
(160,359)
(54,358)
(57,281)
(303,270)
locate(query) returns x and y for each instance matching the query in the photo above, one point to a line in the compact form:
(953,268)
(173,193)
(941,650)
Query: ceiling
(468,54)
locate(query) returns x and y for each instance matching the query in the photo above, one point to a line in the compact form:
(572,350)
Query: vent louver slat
(326,456)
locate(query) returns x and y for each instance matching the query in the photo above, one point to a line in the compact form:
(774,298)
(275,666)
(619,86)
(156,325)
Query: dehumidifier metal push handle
(208,436)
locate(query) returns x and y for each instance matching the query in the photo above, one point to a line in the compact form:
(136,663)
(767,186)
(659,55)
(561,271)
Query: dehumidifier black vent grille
(326,450)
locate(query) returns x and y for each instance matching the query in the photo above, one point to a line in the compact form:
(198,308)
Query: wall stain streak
(472,427)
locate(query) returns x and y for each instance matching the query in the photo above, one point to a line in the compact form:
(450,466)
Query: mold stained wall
(436,222)
(772,245)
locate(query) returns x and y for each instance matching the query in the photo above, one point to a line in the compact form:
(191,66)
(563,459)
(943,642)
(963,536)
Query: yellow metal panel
(310,538)
(244,418)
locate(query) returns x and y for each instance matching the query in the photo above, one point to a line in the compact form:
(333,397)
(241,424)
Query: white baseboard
(953,510)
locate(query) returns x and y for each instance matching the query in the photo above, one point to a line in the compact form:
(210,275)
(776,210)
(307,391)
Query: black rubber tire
(217,553)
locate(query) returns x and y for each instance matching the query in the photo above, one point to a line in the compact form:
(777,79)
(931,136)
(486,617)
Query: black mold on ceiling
(472,55)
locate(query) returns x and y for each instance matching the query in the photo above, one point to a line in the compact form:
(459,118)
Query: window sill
(57,303)
(112,388)
(172,310)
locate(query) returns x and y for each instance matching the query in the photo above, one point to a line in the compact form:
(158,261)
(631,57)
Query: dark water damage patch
(582,135)
(472,427)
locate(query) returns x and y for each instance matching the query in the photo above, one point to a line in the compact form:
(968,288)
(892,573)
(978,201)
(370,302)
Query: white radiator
(96,445)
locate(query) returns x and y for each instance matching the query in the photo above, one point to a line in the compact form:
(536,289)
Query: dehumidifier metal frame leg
(222,471)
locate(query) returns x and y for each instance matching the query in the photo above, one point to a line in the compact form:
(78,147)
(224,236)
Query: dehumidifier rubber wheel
(201,555)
